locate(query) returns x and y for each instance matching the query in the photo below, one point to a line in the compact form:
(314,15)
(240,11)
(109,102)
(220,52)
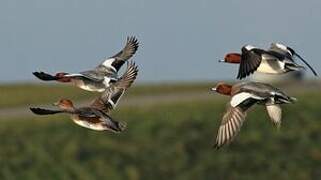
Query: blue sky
(181,40)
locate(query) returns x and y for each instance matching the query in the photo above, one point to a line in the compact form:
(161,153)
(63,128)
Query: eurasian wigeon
(99,78)
(277,59)
(96,116)
(243,96)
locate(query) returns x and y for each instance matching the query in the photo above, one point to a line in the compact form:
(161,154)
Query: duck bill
(213,89)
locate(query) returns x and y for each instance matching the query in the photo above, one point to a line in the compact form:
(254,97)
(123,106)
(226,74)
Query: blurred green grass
(13,95)
(168,141)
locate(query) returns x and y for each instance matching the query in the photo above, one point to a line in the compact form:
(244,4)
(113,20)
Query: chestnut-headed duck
(278,59)
(102,76)
(243,96)
(96,115)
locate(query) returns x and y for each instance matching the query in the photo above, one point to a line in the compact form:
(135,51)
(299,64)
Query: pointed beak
(56,104)
(221,60)
(213,89)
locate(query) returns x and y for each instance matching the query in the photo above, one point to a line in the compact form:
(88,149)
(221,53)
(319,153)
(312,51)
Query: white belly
(85,124)
(91,88)
(271,67)
(87,87)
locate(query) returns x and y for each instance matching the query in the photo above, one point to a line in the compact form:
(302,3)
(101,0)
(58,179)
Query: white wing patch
(241,97)
(275,113)
(112,103)
(106,81)
(283,47)
(73,75)
(249,47)
(108,63)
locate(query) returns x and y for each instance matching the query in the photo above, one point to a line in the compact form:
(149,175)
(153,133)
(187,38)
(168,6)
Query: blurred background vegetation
(171,130)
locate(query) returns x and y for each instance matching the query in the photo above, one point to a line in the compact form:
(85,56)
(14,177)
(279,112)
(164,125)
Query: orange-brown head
(62,78)
(65,104)
(223,88)
(234,58)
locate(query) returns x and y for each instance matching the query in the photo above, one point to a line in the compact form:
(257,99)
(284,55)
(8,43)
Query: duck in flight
(243,96)
(278,59)
(96,115)
(99,78)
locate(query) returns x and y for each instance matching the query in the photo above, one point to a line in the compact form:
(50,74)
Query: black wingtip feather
(134,42)
(215,146)
(40,111)
(44,76)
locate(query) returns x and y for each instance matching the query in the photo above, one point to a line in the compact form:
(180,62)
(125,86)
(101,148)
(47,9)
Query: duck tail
(293,99)
(117,126)
(286,100)
(122,125)
(294,67)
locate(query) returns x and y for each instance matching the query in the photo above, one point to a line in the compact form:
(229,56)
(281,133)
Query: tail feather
(122,125)
(293,99)
(294,67)
(116,126)
(286,99)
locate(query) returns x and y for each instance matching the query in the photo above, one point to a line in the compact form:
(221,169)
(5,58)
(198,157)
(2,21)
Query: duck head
(65,104)
(234,58)
(222,88)
(62,78)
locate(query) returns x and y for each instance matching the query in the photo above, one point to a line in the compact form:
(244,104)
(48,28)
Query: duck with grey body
(244,96)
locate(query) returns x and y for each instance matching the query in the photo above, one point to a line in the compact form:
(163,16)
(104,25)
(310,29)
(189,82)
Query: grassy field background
(163,141)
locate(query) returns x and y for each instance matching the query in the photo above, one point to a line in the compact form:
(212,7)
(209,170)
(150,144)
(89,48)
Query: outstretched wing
(250,61)
(115,62)
(233,119)
(129,50)
(231,124)
(40,111)
(111,96)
